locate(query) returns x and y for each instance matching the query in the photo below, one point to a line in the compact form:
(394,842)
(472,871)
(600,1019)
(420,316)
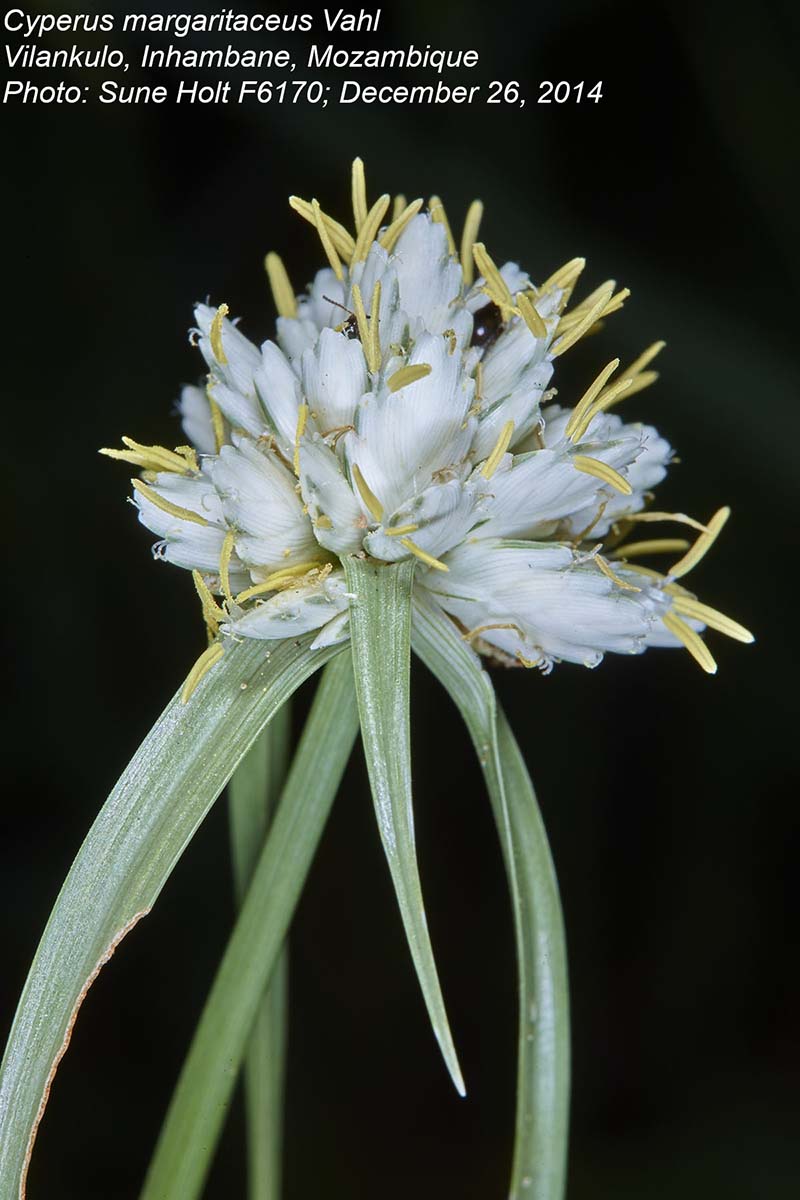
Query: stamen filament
(501,445)
(472,224)
(280,285)
(205,662)
(692,641)
(601,470)
(174,510)
(423,555)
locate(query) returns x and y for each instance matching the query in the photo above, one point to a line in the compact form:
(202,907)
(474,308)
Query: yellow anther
(501,445)
(174,510)
(154,458)
(359,191)
(225,565)
(653,546)
(679,518)
(611,574)
(530,316)
(589,396)
(479,629)
(609,396)
(302,419)
(400,530)
(398,205)
(601,470)
(372,502)
(478,382)
(391,234)
(616,302)
(323,521)
(692,641)
(472,224)
(495,286)
(362,321)
(407,375)
(711,617)
(438,214)
(527,662)
(327,241)
(574,334)
(423,555)
(644,360)
(369,230)
(277,580)
(703,544)
(205,662)
(374,347)
(282,291)
(215,335)
(217,422)
(212,613)
(342,240)
(565,278)
(642,381)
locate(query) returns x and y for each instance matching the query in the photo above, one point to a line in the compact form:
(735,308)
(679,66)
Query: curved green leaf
(140,833)
(540,1144)
(380,625)
(202,1096)
(253,795)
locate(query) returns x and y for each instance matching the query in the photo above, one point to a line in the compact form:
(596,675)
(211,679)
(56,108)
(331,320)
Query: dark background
(670,797)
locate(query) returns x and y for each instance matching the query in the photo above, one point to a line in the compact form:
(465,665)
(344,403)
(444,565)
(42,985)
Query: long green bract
(202,1096)
(380,626)
(253,795)
(140,833)
(540,1145)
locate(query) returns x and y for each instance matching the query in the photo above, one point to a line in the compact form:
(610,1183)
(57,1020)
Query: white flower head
(405,410)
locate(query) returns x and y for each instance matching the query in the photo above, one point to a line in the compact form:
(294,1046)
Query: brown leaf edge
(104,958)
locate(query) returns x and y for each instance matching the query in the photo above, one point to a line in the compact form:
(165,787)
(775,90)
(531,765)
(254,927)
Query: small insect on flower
(427,432)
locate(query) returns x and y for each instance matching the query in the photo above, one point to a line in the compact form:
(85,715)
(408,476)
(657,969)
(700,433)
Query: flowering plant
(394,471)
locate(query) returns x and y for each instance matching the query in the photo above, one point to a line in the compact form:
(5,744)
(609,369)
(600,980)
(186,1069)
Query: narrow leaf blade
(202,1096)
(253,795)
(540,1143)
(138,836)
(380,624)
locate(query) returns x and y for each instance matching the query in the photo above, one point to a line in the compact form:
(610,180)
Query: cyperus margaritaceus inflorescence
(405,410)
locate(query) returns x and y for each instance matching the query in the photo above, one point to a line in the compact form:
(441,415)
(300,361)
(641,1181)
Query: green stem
(253,795)
(202,1096)
(543,1057)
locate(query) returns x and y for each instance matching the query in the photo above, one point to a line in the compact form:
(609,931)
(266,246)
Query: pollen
(216,334)
(501,445)
(302,419)
(601,470)
(225,565)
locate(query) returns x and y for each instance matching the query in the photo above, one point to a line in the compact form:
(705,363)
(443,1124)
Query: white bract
(405,410)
